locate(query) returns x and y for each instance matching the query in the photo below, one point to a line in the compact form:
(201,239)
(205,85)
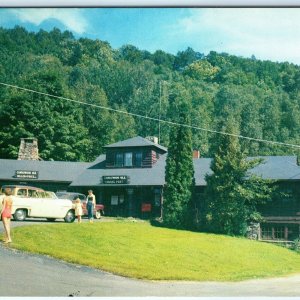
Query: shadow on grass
(158,222)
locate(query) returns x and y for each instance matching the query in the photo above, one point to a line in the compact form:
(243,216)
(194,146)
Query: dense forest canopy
(263,96)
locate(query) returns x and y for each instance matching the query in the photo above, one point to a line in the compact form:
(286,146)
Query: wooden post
(286,232)
(259,232)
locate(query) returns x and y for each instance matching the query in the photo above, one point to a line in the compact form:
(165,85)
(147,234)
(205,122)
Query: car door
(20,200)
(55,208)
(36,202)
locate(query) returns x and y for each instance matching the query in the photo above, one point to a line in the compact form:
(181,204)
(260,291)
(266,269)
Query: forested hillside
(263,96)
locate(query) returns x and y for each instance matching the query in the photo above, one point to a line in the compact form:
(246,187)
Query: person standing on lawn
(78,209)
(6,214)
(91,205)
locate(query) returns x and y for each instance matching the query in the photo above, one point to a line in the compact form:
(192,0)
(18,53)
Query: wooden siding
(149,158)
(287,205)
(282,220)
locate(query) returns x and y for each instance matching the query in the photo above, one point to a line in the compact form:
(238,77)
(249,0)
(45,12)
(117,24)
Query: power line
(153,119)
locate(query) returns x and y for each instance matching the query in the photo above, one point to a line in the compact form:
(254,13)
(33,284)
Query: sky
(267,33)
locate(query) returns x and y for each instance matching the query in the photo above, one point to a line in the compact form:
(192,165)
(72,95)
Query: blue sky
(267,33)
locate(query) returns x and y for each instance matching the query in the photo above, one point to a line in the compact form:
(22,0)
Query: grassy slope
(142,251)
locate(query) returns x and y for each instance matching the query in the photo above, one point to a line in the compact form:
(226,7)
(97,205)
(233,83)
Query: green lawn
(142,251)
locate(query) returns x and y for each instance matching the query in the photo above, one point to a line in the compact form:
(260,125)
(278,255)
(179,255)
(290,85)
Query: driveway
(24,274)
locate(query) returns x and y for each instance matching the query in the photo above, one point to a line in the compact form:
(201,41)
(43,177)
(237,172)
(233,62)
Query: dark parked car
(73,195)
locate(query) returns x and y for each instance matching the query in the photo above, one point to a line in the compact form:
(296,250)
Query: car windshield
(63,195)
(51,195)
(71,196)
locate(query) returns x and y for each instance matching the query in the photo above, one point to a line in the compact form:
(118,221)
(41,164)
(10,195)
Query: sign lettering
(26,174)
(121,179)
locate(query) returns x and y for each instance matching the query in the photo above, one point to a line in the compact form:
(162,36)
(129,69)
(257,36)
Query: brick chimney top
(196,154)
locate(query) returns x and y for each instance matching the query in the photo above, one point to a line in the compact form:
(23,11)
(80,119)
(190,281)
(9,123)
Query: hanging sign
(26,174)
(119,179)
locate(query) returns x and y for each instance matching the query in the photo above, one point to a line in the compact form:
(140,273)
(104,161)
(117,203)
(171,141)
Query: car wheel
(51,219)
(20,215)
(70,216)
(98,214)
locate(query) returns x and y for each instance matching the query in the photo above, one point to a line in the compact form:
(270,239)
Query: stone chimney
(28,149)
(196,154)
(153,139)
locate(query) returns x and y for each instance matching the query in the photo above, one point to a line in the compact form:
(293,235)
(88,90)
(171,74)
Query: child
(78,209)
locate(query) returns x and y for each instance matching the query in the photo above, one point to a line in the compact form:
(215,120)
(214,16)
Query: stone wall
(253,231)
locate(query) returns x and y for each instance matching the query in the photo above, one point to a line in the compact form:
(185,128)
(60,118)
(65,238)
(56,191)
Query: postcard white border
(149,3)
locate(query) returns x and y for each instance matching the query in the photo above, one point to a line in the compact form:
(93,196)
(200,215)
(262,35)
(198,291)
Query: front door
(117,205)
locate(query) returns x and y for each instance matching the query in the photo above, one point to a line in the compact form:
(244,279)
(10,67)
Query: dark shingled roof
(48,170)
(154,176)
(273,167)
(90,174)
(137,141)
(278,168)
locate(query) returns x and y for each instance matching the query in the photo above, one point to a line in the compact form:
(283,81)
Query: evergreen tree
(179,188)
(232,194)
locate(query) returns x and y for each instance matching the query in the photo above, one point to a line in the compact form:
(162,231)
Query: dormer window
(119,159)
(136,152)
(138,159)
(128,159)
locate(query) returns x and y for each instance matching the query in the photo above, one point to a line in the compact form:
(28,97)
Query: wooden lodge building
(130,177)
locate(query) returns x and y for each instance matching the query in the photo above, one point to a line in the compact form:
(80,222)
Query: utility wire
(151,118)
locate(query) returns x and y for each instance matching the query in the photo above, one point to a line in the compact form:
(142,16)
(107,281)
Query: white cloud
(71,18)
(268,33)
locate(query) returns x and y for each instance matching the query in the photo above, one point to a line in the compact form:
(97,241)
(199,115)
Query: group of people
(90,206)
(8,202)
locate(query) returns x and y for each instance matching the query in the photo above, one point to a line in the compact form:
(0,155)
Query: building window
(266,233)
(279,233)
(119,159)
(138,159)
(114,200)
(274,232)
(128,159)
(157,197)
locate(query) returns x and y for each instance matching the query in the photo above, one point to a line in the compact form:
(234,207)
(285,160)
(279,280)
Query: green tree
(201,70)
(186,57)
(56,123)
(178,193)
(131,53)
(232,194)
(162,58)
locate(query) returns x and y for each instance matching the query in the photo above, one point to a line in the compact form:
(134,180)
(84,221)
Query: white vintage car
(36,203)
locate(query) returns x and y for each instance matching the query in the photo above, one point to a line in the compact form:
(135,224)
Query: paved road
(24,274)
